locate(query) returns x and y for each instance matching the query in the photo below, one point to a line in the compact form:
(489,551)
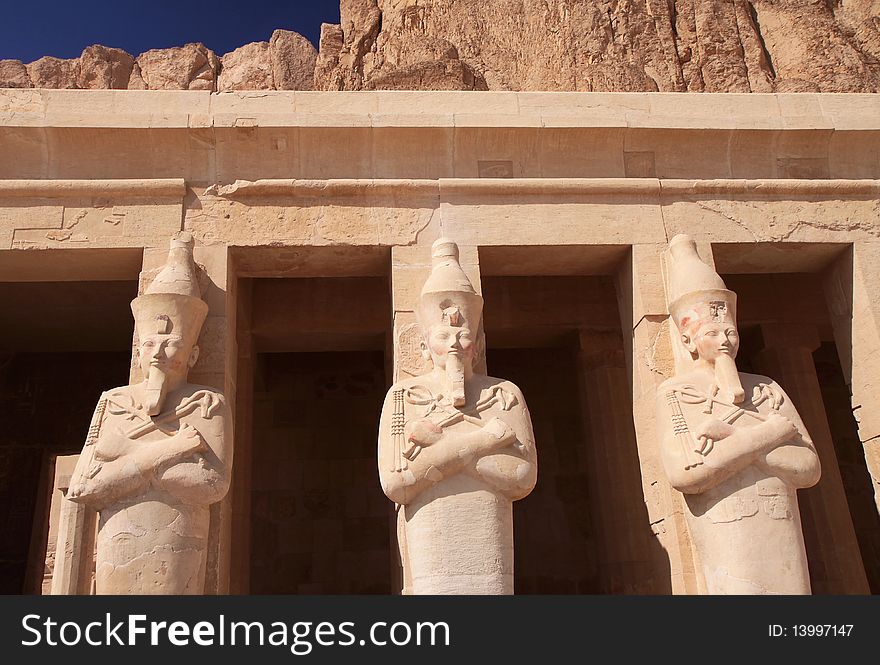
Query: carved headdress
(448,297)
(696,293)
(172,302)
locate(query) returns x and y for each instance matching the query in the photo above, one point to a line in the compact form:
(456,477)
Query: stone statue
(733,443)
(456,448)
(159,452)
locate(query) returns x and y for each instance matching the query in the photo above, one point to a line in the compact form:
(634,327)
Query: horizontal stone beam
(407,109)
(159,187)
(775,187)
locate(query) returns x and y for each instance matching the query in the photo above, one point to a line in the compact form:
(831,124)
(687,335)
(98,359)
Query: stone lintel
(122,188)
(266,108)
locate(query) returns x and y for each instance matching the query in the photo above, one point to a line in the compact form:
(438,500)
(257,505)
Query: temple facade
(311,218)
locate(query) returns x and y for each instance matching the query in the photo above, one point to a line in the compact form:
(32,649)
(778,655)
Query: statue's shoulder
(406,383)
(193,389)
(121,397)
(751,380)
(675,382)
(120,391)
(491,383)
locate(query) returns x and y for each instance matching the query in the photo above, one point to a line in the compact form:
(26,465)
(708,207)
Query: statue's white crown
(448,297)
(172,302)
(696,292)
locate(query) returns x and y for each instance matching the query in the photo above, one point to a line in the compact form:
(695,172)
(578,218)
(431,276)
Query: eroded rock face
(644,45)
(293,61)
(247,68)
(190,67)
(568,45)
(13,74)
(49,72)
(103,68)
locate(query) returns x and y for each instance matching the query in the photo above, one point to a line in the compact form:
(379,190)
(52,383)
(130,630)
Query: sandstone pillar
(852,291)
(649,361)
(239,503)
(631,560)
(835,561)
(74,547)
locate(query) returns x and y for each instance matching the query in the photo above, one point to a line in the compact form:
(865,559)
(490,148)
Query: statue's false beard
(455,379)
(156,390)
(727,378)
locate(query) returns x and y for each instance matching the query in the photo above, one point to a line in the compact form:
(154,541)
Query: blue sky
(30,29)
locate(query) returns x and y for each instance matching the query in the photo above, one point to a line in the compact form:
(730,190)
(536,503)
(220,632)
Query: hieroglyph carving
(456,448)
(733,443)
(158,453)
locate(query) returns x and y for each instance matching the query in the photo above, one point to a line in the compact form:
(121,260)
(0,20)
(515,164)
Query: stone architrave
(456,448)
(159,452)
(733,444)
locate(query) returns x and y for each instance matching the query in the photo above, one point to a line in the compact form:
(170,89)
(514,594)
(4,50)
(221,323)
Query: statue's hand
(709,431)
(781,429)
(186,441)
(424,432)
(713,429)
(112,444)
(498,434)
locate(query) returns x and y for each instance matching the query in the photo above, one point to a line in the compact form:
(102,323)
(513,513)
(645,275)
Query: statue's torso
(151,542)
(459,532)
(747,529)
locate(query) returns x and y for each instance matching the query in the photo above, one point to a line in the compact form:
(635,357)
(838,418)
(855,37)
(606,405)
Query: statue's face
(170,354)
(715,339)
(444,341)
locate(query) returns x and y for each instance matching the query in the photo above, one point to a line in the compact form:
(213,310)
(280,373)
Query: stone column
(240,491)
(650,361)
(631,560)
(833,551)
(74,547)
(852,291)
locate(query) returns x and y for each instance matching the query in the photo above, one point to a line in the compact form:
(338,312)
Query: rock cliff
(565,45)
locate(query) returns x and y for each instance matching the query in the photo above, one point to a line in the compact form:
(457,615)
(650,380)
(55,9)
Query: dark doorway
(63,344)
(584,529)
(319,517)
(315,519)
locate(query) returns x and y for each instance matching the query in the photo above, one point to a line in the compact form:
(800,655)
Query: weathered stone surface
(809,51)
(102,68)
(429,64)
(548,45)
(49,72)
(861,19)
(13,74)
(293,61)
(330,44)
(248,67)
(136,80)
(189,67)
(646,45)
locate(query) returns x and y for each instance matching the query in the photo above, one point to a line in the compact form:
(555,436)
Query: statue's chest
(699,403)
(427,403)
